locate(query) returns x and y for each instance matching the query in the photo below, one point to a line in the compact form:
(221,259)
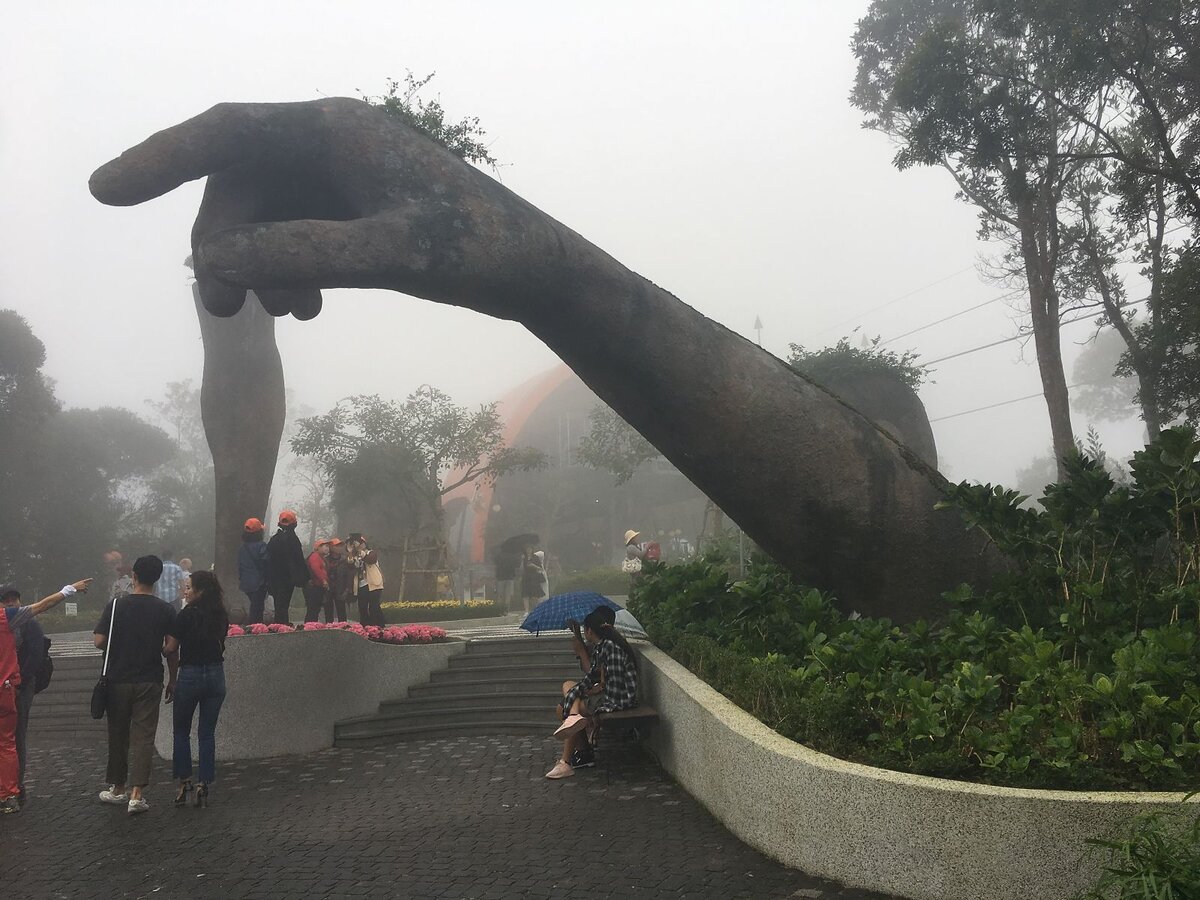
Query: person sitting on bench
(609,685)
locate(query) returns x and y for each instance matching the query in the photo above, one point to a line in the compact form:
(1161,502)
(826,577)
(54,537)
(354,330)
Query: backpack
(41,680)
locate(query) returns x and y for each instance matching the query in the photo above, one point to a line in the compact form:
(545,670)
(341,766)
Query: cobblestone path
(461,817)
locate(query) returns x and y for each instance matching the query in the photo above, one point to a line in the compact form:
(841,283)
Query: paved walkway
(462,817)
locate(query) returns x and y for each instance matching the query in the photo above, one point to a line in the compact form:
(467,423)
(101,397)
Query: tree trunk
(242,404)
(1044,317)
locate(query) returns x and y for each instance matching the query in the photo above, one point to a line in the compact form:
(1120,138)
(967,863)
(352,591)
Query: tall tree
(1172,338)
(1142,57)
(986,102)
(422,448)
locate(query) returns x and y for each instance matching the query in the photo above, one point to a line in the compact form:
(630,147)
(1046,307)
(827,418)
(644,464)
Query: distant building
(579,513)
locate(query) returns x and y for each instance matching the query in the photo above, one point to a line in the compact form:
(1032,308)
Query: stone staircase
(495,687)
(62,708)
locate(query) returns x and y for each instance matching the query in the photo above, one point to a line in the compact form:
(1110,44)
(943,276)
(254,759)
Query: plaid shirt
(171,582)
(617,671)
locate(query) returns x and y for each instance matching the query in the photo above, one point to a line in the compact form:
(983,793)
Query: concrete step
(488,686)
(72,684)
(503,673)
(516,658)
(490,715)
(48,699)
(523,699)
(395,734)
(528,644)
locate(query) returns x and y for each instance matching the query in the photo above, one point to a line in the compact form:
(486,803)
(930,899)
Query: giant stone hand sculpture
(333,193)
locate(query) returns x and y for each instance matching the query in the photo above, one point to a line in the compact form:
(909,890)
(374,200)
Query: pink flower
(313,626)
(235,630)
(280,628)
(258,628)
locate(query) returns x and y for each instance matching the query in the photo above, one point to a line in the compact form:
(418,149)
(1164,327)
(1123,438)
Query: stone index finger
(226,135)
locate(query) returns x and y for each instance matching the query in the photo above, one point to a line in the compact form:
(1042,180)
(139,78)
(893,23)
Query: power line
(967,412)
(1018,337)
(857,316)
(961,312)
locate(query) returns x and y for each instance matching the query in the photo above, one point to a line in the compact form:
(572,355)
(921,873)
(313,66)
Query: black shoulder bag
(100,691)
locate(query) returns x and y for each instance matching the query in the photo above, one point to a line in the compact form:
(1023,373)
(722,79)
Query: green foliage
(1079,669)
(833,365)
(75,483)
(608,580)
(612,444)
(1170,338)
(463,138)
(1156,859)
(390,463)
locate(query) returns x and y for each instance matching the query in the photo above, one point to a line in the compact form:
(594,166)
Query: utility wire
(1018,337)
(967,412)
(857,316)
(961,312)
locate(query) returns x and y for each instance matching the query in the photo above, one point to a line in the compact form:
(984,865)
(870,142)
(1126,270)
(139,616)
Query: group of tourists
(137,631)
(330,576)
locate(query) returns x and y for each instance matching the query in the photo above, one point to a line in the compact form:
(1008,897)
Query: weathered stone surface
(242,403)
(333,193)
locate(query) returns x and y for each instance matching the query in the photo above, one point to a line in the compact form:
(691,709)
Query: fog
(712,149)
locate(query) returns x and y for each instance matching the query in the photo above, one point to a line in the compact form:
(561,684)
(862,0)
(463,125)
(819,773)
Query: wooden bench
(623,722)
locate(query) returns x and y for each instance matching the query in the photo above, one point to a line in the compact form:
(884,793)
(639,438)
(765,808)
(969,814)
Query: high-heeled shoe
(181,798)
(201,795)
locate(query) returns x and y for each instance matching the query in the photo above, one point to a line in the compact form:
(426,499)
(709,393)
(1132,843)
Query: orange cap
(287,517)
(252,525)
(334,542)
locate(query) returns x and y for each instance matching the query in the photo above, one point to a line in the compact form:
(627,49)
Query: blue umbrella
(552,614)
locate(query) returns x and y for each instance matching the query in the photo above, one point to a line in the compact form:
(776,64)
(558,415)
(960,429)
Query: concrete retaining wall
(909,835)
(285,691)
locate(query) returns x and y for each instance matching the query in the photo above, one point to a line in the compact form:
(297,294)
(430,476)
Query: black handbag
(100,691)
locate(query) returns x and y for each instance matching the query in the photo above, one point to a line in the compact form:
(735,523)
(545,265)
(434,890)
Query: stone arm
(333,193)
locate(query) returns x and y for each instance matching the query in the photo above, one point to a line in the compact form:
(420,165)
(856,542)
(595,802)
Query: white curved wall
(909,835)
(286,691)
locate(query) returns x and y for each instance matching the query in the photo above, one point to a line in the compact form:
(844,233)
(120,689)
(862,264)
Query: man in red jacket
(316,592)
(11,620)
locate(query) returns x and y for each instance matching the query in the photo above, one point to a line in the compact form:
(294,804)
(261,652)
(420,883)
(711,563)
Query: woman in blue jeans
(199,635)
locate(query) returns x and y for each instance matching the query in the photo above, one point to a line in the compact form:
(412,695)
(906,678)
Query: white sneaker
(570,725)
(138,806)
(107,796)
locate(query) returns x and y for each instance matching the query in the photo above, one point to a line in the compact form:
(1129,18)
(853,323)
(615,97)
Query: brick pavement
(460,817)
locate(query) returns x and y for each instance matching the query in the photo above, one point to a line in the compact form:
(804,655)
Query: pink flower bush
(392,634)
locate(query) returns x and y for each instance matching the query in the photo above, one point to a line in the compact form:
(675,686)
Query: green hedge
(452,614)
(1080,669)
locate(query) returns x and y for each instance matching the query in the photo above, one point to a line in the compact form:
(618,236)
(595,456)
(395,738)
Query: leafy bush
(1079,669)
(831,364)
(438,610)
(1156,860)
(608,580)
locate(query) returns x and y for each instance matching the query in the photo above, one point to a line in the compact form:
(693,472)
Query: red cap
(252,525)
(287,517)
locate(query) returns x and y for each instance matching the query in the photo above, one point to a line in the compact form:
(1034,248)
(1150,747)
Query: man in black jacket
(286,566)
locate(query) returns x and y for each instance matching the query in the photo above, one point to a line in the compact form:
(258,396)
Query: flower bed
(392,634)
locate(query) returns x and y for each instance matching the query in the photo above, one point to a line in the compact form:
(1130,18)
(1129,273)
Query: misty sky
(709,147)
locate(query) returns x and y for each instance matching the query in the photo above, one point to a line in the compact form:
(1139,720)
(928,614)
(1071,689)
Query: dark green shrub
(1080,669)
(1156,859)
